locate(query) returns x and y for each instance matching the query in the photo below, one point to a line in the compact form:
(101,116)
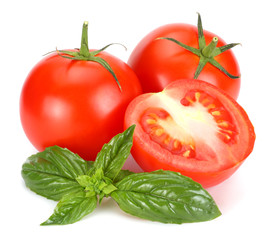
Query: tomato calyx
(84,54)
(206,53)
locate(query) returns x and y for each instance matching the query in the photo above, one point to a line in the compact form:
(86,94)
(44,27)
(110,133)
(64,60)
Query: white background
(31,28)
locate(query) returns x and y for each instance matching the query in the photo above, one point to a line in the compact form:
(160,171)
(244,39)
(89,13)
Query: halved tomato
(191,127)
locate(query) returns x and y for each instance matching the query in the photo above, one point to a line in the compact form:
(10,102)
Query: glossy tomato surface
(76,104)
(158,62)
(191,127)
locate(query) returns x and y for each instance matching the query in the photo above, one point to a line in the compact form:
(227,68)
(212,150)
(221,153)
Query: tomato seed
(150,121)
(216,113)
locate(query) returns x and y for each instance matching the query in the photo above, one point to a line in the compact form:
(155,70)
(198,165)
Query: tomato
(191,127)
(176,51)
(76,104)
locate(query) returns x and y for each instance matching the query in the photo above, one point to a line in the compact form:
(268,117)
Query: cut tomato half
(191,127)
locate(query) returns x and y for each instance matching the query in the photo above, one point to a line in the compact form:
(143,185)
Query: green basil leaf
(96,184)
(72,208)
(166,197)
(53,172)
(84,180)
(113,155)
(122,174)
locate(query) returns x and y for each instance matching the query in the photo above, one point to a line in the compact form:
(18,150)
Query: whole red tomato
(191,127)
(177,51)
(76,103)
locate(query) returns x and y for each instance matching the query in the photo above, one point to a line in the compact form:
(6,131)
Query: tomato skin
(209,171)
(158,62)
(149,163)
(76,104)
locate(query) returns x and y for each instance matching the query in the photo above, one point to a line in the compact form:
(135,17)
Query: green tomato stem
(84,53)
(84,48)
(208,50)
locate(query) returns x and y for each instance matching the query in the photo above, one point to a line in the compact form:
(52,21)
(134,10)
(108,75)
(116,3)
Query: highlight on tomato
(77,99)
(191,127)
(178,50)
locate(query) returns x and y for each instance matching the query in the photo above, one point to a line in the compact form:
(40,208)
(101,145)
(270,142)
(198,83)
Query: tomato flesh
(190,127)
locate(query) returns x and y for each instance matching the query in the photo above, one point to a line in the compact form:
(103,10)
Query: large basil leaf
(122,174)
(53,172)
(113,155)
(71,208)
(166,197)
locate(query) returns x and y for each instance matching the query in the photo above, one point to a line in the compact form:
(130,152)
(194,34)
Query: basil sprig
(162,196)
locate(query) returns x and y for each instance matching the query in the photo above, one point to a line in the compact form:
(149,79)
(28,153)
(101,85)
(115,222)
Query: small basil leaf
(122,174)
(166,197)
(71,208)
(108,189)
(97,184)
(84,180)
(113,155)
(52,173)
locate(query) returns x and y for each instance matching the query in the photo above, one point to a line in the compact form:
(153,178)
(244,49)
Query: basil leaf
(122,174)
(71,208)
(166,197)
(113,155)
(53,172)
(97,184)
